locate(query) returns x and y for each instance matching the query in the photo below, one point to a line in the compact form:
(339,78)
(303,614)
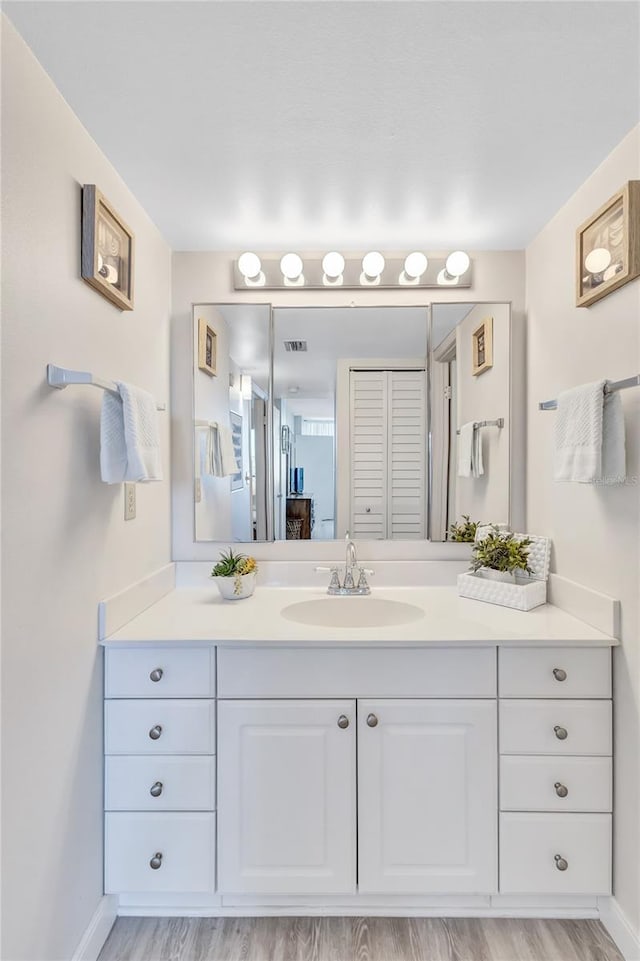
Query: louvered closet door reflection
(406,489)
(388,453)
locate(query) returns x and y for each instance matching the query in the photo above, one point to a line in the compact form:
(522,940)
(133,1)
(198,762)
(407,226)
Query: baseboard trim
(619,928)
(388,911)
(93,939)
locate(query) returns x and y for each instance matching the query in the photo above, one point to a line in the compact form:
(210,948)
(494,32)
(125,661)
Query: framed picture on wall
(237,482)
(482,347)
(107,246)
(207,348)
(608,246)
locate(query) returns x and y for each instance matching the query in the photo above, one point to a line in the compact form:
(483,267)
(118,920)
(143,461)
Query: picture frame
(608,246)
(482,347)
(107,249)
(207,348)
(237,480)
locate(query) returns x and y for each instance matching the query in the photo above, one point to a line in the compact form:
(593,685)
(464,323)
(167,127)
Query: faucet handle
(362,582)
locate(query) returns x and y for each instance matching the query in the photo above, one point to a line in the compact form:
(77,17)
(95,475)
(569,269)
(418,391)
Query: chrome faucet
(350,586)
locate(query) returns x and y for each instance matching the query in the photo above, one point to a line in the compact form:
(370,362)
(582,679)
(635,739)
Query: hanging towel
(477,467)
(589,436)
(465,449)
(113,449)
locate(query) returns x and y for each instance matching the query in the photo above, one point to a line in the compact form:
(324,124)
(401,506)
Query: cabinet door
(286,797)
(427,796)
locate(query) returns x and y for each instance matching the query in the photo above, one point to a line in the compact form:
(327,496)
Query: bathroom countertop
(200,616)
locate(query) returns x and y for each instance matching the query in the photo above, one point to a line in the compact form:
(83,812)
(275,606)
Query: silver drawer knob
(156,789)
(561,864)
(343,721)
(561,790)
(156,675)
(372,720)
(155,732)
(559,674)
(156,861)
(561,732)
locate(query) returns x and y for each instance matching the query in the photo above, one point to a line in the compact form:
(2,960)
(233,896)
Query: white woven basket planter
(523,595)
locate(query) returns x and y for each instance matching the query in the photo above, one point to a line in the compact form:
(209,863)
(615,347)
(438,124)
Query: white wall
(595,530)
(65,544)
(208,278)
(485,397)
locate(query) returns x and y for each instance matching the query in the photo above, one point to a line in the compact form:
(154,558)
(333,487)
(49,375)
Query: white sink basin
(352,612)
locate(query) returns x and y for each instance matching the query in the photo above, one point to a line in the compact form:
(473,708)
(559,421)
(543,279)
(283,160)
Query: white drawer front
(531,844)
(178,672)
(536,727)
(300,672)
(555,783)
(159,727)
(160,783)
(563,672)
(186,843)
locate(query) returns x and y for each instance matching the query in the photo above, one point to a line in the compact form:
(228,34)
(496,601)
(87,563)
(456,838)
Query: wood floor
(356,939)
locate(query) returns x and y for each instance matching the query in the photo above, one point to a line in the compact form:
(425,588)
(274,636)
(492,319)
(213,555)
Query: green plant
(234,565)
(464,533)
(502,552)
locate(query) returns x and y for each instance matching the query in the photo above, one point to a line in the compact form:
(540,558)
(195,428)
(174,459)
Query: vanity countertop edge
(197,616)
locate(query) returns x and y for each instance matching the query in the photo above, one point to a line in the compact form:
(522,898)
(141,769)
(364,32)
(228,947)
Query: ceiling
(316,124)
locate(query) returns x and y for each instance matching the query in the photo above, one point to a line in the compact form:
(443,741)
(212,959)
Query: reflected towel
(465,449)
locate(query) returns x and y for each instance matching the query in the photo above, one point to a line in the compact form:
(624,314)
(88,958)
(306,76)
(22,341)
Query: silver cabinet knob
(561,790)
(561,732)
(372,720)
(156,675)
(156,789)
(156,861)
(561,863)
(559,674)
(343,721)
(155,732)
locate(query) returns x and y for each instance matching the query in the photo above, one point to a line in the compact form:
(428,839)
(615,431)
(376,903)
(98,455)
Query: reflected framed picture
(608,246)
(482,347)
(207,348)
(237,482)
(107,249)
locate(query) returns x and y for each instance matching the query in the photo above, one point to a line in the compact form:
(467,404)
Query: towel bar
(487,423)
(609,388)
(61,377)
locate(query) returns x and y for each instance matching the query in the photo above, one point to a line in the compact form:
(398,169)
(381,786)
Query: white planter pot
(236,587)
(523,595)
(505,577)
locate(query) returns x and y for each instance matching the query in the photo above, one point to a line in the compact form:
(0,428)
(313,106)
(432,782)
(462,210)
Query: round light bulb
(598,260)
(457,263)
(333,264)
(291,266)
(373,263)
(415,264)
(249,264)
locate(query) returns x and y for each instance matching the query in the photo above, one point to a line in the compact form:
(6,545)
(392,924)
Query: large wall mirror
(314,421)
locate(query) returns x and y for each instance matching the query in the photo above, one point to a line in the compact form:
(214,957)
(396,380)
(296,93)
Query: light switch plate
(129,502)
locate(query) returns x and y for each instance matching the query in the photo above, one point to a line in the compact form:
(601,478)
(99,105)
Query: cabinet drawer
(563,672)
(530,845)
(186,843)
(302,672)
(182,727)
(178,783)
(537,727)
(160,672)
(555,783)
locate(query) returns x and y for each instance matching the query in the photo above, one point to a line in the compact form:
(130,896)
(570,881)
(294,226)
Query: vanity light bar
(357,273)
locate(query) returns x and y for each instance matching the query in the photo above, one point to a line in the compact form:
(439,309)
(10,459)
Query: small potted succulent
(235,575)
(499,556)
(464,532)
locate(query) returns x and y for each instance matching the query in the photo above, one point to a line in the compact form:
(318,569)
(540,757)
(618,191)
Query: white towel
(589,436)
(477,467)
(465,449)
(129,437)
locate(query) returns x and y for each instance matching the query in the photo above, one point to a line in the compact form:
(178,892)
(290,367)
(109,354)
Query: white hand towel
(477,467)
(578,434)
(465,449)
(141,434)
(614,467)
(113,449)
